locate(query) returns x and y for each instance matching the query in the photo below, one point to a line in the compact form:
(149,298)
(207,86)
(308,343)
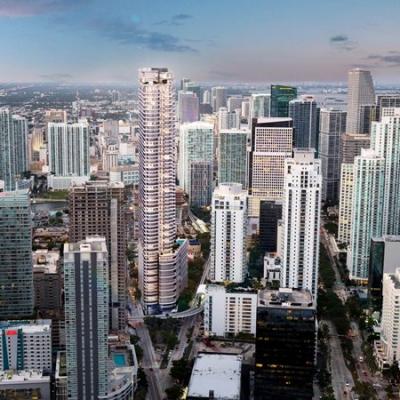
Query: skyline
(96,41)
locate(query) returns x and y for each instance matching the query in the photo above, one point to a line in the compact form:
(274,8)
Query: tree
(180,370)
(174,392)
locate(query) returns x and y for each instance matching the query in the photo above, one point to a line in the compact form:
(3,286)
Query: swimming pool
(119,360)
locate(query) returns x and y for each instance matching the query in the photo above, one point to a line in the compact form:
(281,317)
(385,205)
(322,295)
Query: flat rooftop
(24,376)
(285,298)
(28,326)
(220,373)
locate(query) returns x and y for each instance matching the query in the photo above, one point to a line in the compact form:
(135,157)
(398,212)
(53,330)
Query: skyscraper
(305,114)
(280,97)
(260,105)
(271,144)
(218,97)
(232,156)
(193,87)
(196,160)
(158,259)
(366,218)
(16,279)
(13,148)
(188,107)
(361,92)
(345,203)
(234,103)
(100,208)
(332,126)
(228,234)
(285,345)
(68,148)
(86,317)
(385,140)
(386,101)
(270,214)
(351,145)
(228,119)
(301,222)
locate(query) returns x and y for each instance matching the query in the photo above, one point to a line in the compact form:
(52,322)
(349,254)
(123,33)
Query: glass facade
(280,97)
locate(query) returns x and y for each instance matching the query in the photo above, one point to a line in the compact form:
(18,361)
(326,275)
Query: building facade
(345,203)
(301,222)
(16,279)
(228,233)
(280,97)
(332,126)
(86,284)
(188,107)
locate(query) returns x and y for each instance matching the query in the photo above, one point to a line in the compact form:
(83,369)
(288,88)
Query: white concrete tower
(301,221)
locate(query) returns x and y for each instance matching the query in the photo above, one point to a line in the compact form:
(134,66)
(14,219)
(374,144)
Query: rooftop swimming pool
(119,360)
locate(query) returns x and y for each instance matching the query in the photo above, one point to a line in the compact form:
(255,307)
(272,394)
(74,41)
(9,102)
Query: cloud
(391,59)
(56,77)
(28,8)
(131,33)
(175,20)
(342,42)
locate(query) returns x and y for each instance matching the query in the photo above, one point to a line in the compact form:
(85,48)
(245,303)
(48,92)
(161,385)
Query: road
(339,371)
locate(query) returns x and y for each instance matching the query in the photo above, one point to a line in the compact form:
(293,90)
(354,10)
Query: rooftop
(25,376)
(285,298)
(45,261)
(28,326)
(220,373)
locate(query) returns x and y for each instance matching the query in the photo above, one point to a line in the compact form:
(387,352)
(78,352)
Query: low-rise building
(229,310)
(272,268)
(216,376)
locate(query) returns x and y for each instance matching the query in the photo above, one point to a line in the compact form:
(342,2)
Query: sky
(205,40)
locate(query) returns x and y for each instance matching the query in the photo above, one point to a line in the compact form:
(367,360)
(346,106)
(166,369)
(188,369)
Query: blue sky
(206,40)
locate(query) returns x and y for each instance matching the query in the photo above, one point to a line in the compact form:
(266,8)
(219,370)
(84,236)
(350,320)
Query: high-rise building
(184,81)
(361,92)
(54,115)
(351,145)
(110,157)
(260,105)
(100,208)
(280,97)
(305,114)
(13,148)
(234,103)
(228,119)
(385,140)
(193,87)
(271,143)
(159,261)
(218,97)
(16,279)
(196,161)
(86,287)
(386,101)
(25,345)
(285,345)
(387,349)
(188,107)
(332,126)
(68,147)
(345,203)
(366,218)
(384,259)
(232,156)
(301,221)
(228,233)
(229,311)
(270,214)
(206,97)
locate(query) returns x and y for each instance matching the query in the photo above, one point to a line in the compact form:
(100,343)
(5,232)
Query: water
(119,360)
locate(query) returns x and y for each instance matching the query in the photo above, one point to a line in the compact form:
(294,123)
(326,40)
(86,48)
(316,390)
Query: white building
(25,345)
(228,233)
(229,311)
(158,275)
(385,140)
(361,92)
(387,349)
(260,105)
(366,216)
(127,174)
(188,107)
(228,119)
(216,376)
(345,202)
(110,157)
(301,221)
(86,284)
(68,147)
(272,268)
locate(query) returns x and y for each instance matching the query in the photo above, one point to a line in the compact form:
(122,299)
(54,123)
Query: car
(347,384)
(361,359)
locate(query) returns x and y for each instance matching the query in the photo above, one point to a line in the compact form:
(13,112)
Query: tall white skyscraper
(260,105)
(361,92)
(13,148)
(196,162)
(385,140)
(228,234)
(301,221)
(218,97)
(86,318)
(366,215)
(68,147)
(345,202)
(228,119)
(158,260)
